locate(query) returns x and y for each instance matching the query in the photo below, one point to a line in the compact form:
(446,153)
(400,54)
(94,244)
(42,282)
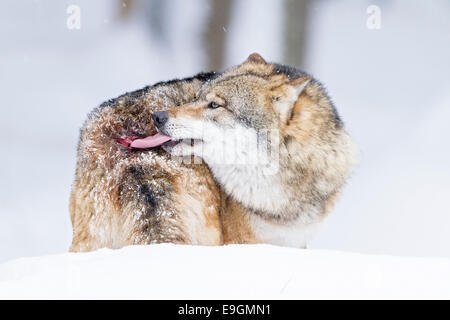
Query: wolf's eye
(276,98)
(213,105)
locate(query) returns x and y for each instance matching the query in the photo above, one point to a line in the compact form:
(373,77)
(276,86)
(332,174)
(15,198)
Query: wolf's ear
(256,58)
(299,85)
(290,93)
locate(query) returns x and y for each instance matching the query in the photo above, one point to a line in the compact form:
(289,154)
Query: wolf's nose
(160,118)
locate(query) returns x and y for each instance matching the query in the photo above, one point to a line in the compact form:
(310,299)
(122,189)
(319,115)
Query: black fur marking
(287,140)
(136,171)
(151,194)
(202,76)
(148,194)
(290,72)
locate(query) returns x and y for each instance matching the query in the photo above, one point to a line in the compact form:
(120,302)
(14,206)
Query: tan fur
(122,197)
(236,227)
(200,206)
(194,111)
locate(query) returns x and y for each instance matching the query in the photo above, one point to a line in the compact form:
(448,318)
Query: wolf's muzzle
(160,118)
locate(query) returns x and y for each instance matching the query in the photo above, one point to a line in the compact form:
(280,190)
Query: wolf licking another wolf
(123,197)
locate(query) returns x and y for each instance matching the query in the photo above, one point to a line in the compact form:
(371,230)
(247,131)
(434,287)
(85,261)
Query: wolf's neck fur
(273,213)
(251,187)
(270,196)
(309,178)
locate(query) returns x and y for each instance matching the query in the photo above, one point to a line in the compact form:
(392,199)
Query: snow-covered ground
(230,272)
(390,85)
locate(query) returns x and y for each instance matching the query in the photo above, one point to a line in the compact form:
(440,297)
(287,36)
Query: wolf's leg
(83,207)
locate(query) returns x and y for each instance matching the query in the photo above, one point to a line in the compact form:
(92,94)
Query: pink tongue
(149,142)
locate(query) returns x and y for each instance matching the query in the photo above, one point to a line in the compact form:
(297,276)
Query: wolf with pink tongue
(129,189)
(123,196)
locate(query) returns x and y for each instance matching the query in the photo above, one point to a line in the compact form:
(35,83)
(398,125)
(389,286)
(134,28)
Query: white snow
(238,272)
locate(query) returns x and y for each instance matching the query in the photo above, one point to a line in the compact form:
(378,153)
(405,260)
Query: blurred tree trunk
(216,26)
(125,8)
(157,10)
(295,31)
(155,14)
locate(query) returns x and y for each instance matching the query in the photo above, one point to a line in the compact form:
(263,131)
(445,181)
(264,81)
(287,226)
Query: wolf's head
(269,133)
(236,115)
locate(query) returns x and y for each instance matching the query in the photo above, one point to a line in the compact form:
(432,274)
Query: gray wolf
(314,155)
